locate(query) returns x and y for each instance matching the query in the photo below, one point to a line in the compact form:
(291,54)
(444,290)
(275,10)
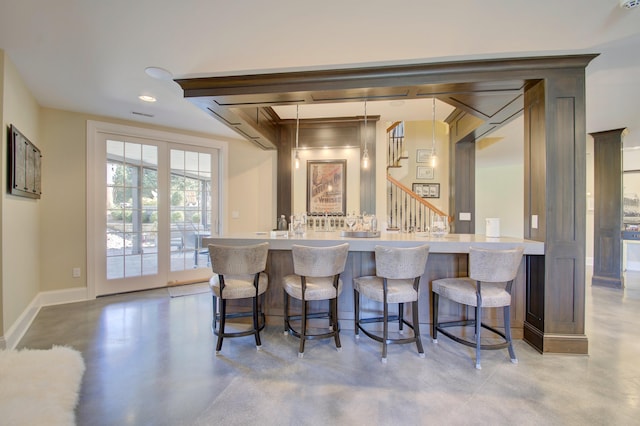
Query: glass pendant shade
(365,153)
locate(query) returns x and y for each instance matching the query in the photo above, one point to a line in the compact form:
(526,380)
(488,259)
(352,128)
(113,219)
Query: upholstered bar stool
(238,273)
(316,277)
(397,280)
(491,275)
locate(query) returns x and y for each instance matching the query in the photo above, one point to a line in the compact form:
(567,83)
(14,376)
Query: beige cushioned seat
(239,286)
(318,288)
(316,277)
(463,291)
(491,275)
(397,280)
(399,291)
(238,273)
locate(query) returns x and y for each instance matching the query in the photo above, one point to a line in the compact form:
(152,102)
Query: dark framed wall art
(24,166)
(327,186)
(427,190)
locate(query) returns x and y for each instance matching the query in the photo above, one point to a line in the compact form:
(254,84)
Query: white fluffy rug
(39,387)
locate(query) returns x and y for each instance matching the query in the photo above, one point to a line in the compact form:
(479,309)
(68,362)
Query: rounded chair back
(319,261)
(238,260)
(401,263)
(488,265)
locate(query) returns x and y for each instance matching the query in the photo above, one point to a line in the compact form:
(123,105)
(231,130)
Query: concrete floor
(151,361)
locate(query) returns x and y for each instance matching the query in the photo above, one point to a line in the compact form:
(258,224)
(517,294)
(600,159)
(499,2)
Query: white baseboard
(44,298)
(58,297)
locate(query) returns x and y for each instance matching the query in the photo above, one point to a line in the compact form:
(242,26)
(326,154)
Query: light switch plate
(534,221)
(466,216)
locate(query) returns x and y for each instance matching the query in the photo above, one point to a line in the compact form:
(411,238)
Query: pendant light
(434,158)
(365,153)
(297,157)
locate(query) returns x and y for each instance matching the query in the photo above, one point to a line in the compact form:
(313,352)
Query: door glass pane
(190,219)
(131,209)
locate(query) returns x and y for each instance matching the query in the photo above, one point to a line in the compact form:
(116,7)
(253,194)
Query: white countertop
(452,243)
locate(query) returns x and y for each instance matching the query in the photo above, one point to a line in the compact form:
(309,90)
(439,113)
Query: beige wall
(419,135)
(249,188)
(43,240)
(499,180)
(500,194)
(21,252)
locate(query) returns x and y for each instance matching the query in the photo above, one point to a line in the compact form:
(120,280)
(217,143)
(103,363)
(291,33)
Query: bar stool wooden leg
(434,317)
(507,333)
(334,321)
(385,332)
(356,312)
(478,328)
(303,328)
(223,314)
(416,329)
(255,323)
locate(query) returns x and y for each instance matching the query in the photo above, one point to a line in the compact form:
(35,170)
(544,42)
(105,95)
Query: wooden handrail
(418,198)
(393,126)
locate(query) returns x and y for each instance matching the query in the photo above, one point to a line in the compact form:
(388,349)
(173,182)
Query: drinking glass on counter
(439,226)
(366,222)
(299,223)
(351,221)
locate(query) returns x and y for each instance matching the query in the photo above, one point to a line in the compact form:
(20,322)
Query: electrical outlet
(75,272)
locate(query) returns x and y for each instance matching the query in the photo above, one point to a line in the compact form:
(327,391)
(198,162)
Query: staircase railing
(395,144)
(407,211)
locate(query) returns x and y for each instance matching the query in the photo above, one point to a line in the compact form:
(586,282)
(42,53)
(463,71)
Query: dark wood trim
(488,89)
(555,155)
(607,224)
(417,75)
(555,170)
(318,133)
(464,197)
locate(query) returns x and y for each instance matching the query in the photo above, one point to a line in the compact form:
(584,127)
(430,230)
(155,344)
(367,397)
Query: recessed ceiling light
(158,73)
(147,98)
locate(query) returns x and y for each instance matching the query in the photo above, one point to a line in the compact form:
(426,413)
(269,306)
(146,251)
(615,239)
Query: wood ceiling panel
(488,89)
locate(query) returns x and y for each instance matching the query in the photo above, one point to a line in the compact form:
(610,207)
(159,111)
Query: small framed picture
(423,155)
(427,190)
(424,172)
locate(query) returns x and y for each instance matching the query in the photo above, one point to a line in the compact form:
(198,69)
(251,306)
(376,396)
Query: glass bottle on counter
(282,223)
(310,221)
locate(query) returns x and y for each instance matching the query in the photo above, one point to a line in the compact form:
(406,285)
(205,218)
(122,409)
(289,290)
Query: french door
(153,203)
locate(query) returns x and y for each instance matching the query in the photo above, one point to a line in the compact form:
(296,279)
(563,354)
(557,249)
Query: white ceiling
(90,56)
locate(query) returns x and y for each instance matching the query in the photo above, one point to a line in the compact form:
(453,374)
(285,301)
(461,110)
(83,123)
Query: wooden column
(555,211)
(607,227)
(464,195)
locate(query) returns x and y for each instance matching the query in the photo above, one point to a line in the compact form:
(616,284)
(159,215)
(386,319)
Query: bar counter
(448,257)
(450,243)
